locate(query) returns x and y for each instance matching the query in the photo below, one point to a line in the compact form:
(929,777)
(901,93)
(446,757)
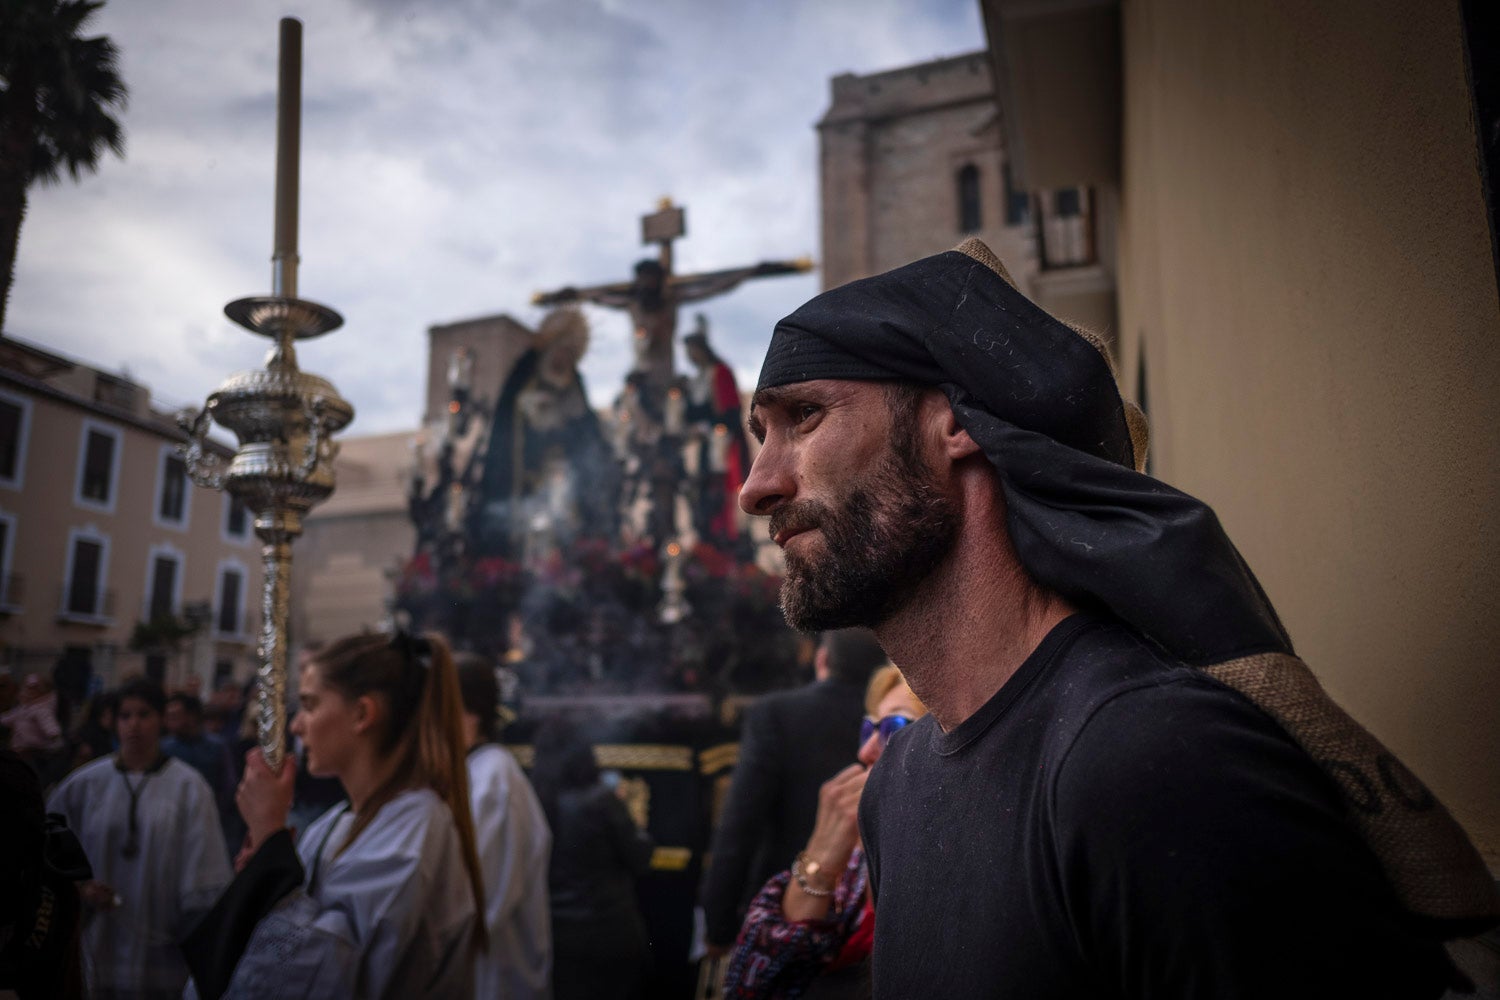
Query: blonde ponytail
(442,761)
(424,735)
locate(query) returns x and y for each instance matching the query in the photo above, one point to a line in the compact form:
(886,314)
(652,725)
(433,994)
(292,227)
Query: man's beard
(886,536)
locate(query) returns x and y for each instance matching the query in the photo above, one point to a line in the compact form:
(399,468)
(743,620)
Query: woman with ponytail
(379,896)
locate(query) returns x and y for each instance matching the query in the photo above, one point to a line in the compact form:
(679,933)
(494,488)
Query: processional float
(284,418)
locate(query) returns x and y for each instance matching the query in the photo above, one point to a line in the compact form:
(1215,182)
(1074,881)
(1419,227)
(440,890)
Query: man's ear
(956,443)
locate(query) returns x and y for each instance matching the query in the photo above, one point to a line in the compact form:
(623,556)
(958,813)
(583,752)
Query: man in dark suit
(791,742)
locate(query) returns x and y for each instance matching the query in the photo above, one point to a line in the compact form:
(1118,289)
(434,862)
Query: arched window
(969,215)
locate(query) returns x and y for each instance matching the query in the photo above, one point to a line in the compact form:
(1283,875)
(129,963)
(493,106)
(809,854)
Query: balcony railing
(12,592)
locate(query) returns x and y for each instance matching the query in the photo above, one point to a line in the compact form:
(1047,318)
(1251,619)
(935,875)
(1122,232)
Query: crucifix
(653,296)
(657,433)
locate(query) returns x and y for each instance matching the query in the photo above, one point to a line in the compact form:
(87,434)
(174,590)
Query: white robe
(182,866)
(392,916)
(515,845)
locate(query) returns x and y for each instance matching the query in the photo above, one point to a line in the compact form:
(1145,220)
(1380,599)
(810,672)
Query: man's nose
(770,483)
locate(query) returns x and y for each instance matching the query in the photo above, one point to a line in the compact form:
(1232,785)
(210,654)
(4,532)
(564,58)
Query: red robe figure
(723,455)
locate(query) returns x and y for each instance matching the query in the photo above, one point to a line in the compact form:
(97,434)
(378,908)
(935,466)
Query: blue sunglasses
(886,727)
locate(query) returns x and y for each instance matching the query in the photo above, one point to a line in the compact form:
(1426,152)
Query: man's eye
(806,412)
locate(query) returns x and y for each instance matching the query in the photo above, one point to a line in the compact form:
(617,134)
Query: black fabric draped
(213,948)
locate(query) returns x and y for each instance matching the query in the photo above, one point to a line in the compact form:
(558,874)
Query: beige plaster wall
(354,543)
(45,513)
(1306,264)
(343,578)
(1062,64)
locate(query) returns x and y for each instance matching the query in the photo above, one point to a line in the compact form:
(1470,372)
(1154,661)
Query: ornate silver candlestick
(674,606)
(284,418)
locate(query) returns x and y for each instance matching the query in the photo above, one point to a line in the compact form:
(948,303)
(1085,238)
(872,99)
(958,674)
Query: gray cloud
(457,156)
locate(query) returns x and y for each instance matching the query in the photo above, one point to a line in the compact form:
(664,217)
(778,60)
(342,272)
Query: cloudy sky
(457,155)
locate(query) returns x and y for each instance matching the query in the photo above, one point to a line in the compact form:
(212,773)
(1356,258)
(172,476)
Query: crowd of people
(400,851)
(1100,769)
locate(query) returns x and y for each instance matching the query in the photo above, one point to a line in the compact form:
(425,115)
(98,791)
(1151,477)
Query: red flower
(715,563)
(493,571)
(641,560)
(418,575)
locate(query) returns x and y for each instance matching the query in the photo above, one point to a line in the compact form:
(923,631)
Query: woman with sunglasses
(808,932)
(380,895)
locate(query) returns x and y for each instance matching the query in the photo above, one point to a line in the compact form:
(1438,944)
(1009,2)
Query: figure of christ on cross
(655,471)
(654,295)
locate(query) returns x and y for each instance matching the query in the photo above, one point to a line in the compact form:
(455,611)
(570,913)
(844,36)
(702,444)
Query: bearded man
(1128,785)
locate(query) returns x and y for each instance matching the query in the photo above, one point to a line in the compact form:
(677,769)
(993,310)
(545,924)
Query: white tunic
(178,872)
(392,916)
(514,847)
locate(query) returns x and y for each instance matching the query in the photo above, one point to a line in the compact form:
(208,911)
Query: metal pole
(275,607)
(288,158)
(283,417)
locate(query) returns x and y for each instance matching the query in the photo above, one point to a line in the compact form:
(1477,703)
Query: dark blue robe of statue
(535,424)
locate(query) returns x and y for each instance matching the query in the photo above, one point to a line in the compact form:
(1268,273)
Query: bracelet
(804,868)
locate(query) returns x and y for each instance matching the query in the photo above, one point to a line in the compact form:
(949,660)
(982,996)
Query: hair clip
(415,647)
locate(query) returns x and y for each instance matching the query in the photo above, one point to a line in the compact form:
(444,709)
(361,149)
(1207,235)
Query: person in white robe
(389,917)
(380,897)
(515,846)
(151,832)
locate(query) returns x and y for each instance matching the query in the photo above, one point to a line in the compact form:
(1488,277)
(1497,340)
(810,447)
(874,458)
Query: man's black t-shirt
(1115,824)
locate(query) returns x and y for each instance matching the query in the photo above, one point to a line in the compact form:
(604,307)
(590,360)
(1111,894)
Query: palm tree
(58,97)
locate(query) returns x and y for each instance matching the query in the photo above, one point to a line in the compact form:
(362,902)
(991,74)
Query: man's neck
(970,626)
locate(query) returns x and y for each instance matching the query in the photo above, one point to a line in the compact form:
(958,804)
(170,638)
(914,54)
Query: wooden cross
(654,295)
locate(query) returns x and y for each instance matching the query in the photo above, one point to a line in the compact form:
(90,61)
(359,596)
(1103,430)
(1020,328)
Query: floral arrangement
(585,618)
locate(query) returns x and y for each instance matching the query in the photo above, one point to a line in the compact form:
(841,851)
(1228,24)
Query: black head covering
(1043,404)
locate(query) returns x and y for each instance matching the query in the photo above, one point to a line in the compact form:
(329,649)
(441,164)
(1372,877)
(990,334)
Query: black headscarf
(1040,399)
(1042,402)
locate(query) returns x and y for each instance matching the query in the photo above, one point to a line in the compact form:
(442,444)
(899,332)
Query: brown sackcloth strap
(1428,858)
